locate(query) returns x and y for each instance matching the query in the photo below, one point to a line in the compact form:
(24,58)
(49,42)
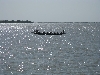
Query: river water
(75,53)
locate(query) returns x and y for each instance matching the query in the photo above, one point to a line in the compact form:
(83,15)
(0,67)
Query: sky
(51,10)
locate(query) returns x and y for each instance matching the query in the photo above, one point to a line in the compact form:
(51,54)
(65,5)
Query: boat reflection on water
(48,33)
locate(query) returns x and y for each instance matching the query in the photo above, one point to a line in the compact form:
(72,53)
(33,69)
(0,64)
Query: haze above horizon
(51,10)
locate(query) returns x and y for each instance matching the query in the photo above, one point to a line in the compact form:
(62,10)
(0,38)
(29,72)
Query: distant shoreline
(21,21)
(12,21)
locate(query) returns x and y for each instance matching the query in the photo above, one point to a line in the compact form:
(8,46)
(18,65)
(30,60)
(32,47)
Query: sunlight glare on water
(74,53)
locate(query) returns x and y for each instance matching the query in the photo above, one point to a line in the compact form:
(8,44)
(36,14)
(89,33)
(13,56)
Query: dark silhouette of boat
(47,33)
